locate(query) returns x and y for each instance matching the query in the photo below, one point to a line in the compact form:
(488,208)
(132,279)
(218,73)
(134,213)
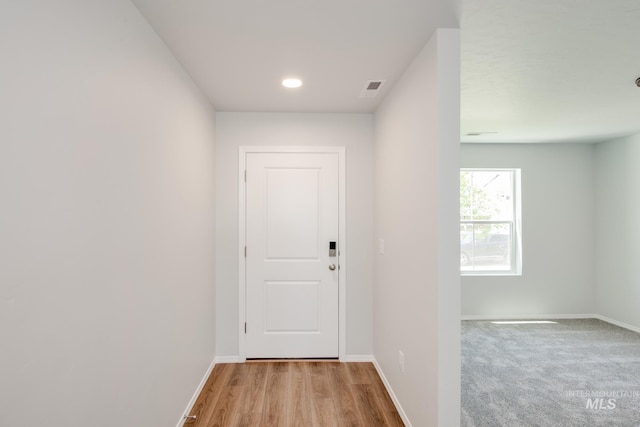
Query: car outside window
(490,237)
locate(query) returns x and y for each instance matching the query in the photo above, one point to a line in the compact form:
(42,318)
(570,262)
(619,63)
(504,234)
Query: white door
(291,277)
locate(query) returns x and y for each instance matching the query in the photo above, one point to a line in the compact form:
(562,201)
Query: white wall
(618,229)
(353,131)
(416,301)
(107,219)
(558,238)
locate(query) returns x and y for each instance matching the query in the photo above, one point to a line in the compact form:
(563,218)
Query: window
(490,222)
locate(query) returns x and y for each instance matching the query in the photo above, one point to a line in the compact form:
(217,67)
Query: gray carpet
(579,373)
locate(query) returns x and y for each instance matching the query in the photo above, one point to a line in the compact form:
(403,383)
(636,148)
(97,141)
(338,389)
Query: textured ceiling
(532,71)
(239,51)
(550,70)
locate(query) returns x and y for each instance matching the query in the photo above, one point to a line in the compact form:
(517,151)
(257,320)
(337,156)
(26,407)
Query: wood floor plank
(238,375)
(274,409)
(299,409)
(251,419)
(225,410)
(344,398)
(368,407)
(382,398)
(395,419)
(324,412)
(295,394)
(256,382)
(208,398)
(359,374)
(319,376)
(281,366)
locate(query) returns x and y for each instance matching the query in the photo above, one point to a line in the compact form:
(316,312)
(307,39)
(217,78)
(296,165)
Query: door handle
(332,267)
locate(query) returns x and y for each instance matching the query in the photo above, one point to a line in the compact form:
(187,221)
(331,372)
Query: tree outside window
(488,228)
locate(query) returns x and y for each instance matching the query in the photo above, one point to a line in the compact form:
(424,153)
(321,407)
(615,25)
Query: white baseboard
(526,316)
(617,323)
(395,400)
(358,358)
(197,392)
(550,317)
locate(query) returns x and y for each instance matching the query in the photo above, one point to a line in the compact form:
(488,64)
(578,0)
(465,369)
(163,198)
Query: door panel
(282,316)
(292,213)
(291,216)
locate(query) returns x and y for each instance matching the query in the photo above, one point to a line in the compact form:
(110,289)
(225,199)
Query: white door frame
(342,238)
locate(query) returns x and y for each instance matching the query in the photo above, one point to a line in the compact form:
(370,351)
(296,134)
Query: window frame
(516,226)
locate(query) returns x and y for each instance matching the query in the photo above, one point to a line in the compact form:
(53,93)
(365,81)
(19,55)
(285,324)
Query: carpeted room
(578,248)
(565,372)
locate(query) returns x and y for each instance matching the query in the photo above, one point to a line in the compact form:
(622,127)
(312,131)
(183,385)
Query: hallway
(294,393)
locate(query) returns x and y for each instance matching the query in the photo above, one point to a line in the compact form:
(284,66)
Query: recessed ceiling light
(292,83)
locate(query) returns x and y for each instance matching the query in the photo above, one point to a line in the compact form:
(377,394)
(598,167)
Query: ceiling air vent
(371,88)
(479,133)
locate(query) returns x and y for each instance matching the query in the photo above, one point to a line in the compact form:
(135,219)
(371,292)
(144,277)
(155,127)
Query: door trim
(342,239)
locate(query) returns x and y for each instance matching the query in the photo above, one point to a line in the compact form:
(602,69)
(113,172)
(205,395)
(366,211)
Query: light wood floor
(294,393)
